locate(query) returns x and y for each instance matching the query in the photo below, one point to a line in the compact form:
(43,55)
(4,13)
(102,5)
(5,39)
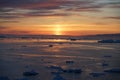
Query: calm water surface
(20,55)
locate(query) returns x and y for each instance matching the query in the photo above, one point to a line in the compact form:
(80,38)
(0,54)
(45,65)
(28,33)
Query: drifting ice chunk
(22,79)
(51,45)
(104,64)
(30,73)
(4,78)
(69,62)
(58,77)
(55,67)
(56,72)
(107,56)
(73,39)
(77,71)
(97,74)
(109,41)
(114,70)
(60,70)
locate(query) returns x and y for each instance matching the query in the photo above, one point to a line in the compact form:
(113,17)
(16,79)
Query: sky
(59,17)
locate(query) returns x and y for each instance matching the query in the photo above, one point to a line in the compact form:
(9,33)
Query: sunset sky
(59,17)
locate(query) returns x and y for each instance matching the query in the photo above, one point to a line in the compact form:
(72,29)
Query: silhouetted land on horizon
(98,37)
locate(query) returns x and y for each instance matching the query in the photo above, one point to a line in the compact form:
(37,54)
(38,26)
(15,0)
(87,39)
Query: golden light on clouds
(59,17)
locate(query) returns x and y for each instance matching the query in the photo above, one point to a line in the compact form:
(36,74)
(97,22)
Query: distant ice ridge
(109,41)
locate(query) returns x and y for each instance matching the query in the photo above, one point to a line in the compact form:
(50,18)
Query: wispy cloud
(11,9)
(113,17)
(3,27)
(9,21)
(22,8)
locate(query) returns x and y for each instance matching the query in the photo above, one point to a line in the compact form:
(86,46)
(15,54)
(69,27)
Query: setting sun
(58,30)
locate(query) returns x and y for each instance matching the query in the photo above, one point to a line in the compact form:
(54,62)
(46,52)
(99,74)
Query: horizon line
(59,35)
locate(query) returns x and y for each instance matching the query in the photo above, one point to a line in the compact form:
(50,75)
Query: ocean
(45,56)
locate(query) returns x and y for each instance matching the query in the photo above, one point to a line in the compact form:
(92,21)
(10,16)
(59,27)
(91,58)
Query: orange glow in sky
(59,17)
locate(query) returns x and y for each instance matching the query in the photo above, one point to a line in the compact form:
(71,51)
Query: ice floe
(4,78)
(58,77)
(30,73)
(69,62)
(22,79)
(113,70)
(97,74)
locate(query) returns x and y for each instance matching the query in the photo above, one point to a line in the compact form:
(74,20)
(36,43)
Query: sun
(58,30)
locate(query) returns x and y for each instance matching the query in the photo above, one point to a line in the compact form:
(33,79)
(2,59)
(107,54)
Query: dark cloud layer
(113,17)
(9,21)
(3,27)
(12,9)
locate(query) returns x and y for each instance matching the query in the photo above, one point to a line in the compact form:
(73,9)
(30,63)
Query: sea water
(20,55)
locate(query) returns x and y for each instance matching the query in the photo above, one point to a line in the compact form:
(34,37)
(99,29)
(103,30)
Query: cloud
(3,27)
(9,21)
(9,16)
(12,9)
(45,14)
(19,32)
(112,4)
(113,17)
(14,32)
